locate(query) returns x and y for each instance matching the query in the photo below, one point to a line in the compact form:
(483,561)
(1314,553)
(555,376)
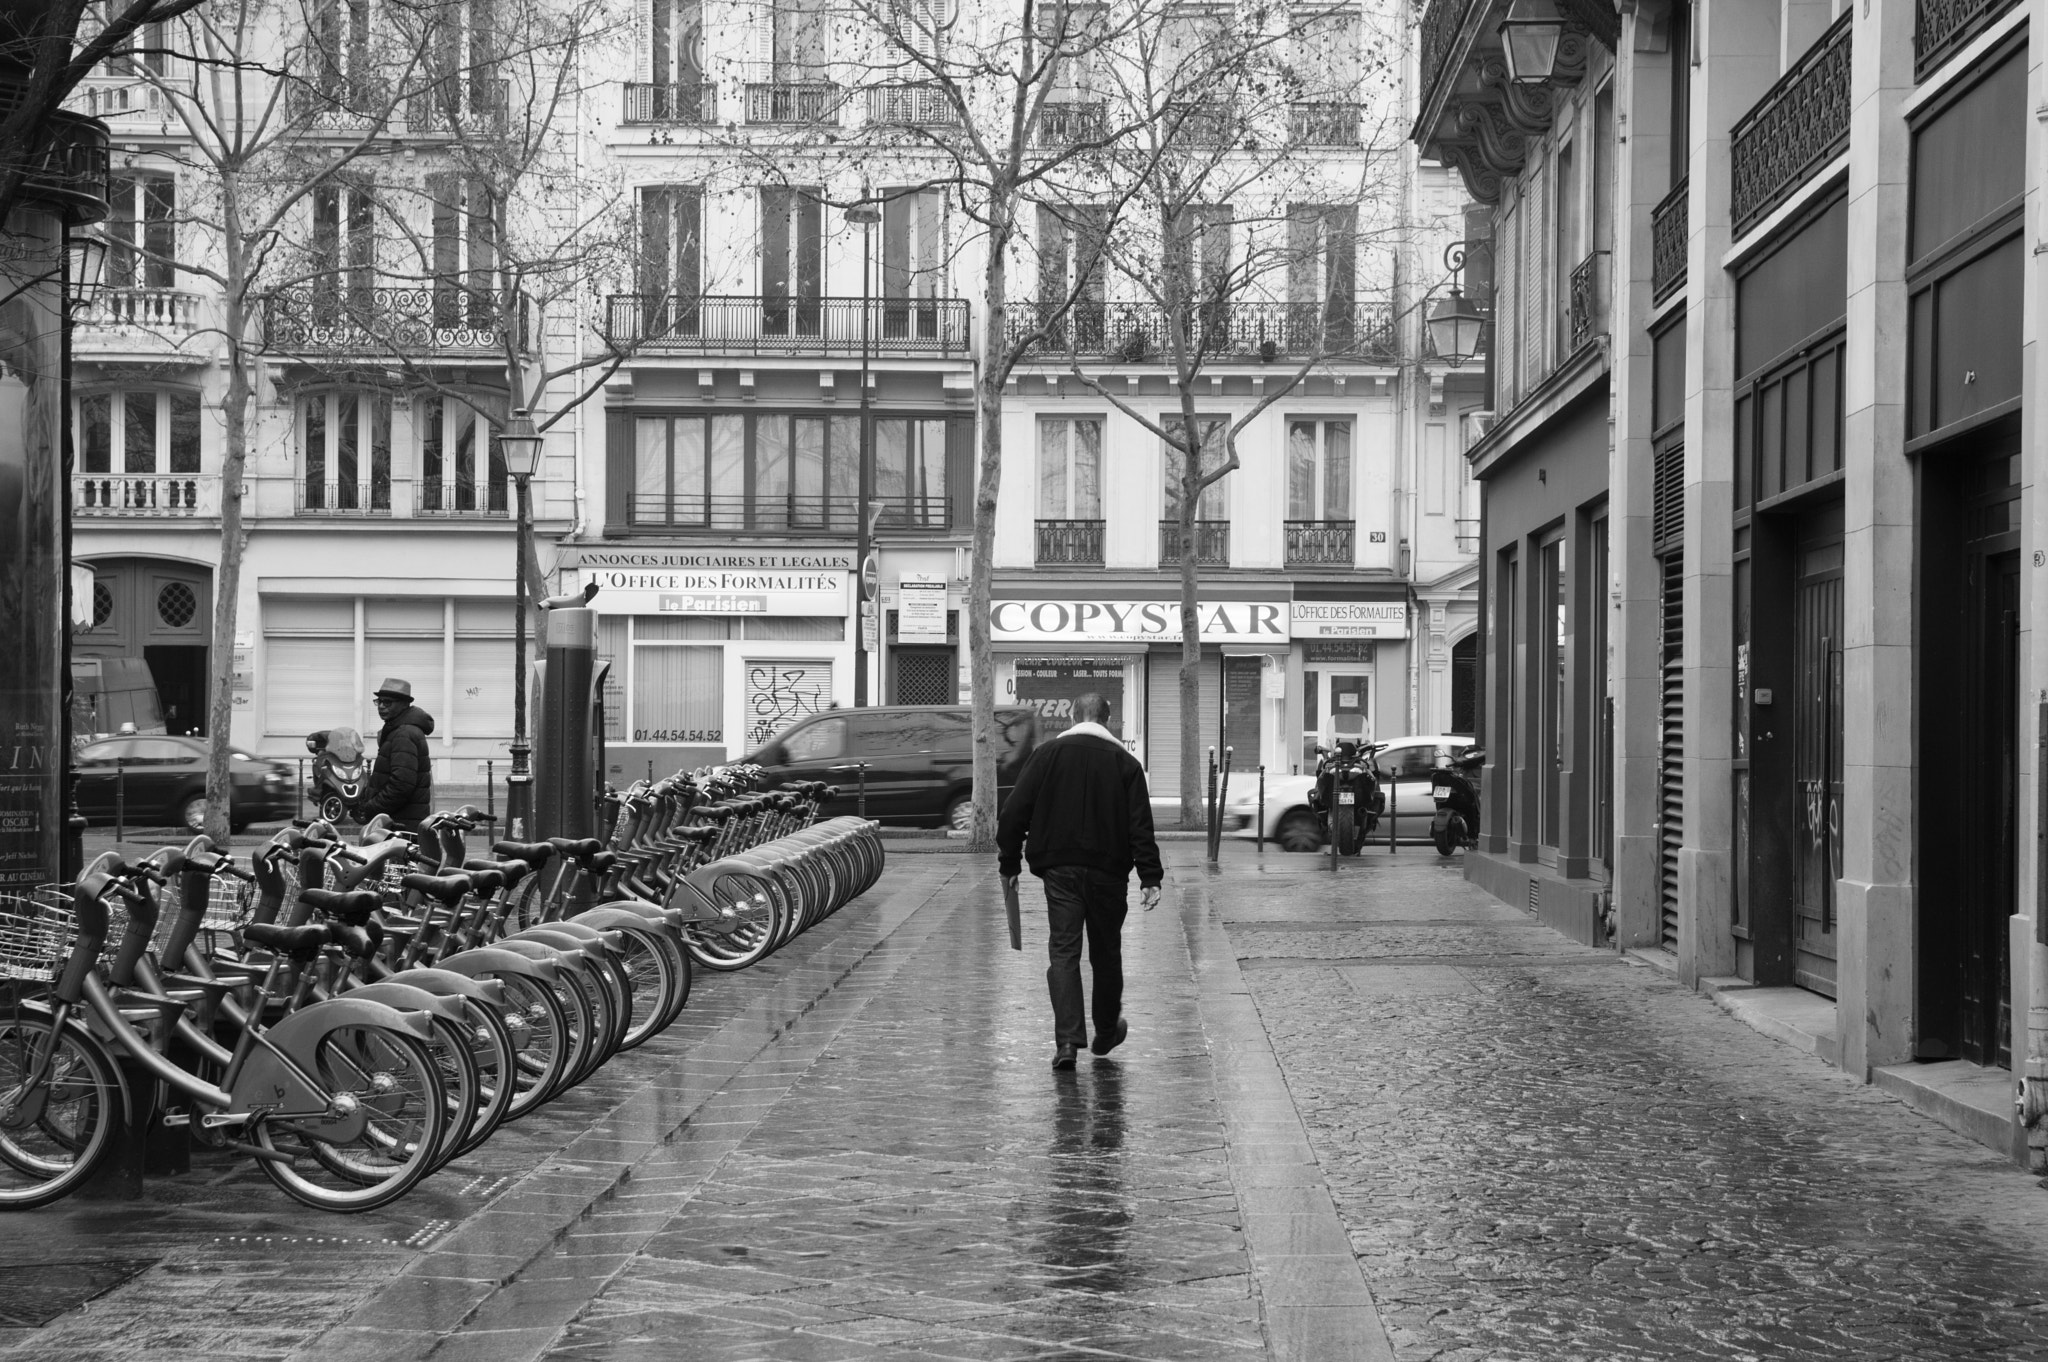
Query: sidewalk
(1364,1114)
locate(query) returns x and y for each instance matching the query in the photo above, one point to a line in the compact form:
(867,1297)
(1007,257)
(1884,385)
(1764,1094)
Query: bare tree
(280,101)
(1242,246)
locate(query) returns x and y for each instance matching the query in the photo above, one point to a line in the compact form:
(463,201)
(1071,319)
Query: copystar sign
(1135,621)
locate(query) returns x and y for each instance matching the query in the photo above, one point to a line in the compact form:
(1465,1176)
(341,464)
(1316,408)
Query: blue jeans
(1079,899)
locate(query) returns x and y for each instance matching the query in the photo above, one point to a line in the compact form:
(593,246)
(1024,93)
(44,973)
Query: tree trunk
(1192,771)
(981,557)
(227,582)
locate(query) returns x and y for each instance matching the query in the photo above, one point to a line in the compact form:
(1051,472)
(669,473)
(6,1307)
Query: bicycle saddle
(447,888)
(300,943)
(598,862)
(359,942)
(513,871)
(535,854)
(350,905)
(576,846)
(488,882)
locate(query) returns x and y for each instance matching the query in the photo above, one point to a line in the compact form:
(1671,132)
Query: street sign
(870,578)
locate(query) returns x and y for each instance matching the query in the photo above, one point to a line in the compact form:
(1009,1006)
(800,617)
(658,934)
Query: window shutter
(654,261)
(308,684)
(763,41)
(482,699)
(618,471)
(896,229)
(650,41)
(1531,276)
(1052,256)
(689,254)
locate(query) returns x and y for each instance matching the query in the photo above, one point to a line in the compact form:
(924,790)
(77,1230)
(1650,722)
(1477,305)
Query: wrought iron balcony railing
(1212,543)
(910,104)
(674,102)
(1138,333)
(1943,26)
(1669,227)
(364,496)
(1063,123)
(71,167)
(164,311)
(1323,125)
(1799,125)
(428,320)
(1441,23)
(793,101)
(133,495)
(1069,543)
(753,323)
(462,497)
(789,512)
(1320,543)
(1203,122)
(1585,314)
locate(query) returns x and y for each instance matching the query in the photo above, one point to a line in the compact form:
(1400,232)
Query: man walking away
(402,779)
(1084,805)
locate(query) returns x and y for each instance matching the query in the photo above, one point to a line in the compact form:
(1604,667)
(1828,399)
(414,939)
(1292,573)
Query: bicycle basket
(229,901)
(35,932)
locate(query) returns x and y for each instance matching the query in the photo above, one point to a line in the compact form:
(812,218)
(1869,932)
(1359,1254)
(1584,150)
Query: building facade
(1813,609)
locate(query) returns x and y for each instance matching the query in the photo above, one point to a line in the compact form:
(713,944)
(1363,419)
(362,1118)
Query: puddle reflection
(1088,1228)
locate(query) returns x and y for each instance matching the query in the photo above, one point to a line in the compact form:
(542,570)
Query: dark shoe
(1063,1058)
(1105,1041)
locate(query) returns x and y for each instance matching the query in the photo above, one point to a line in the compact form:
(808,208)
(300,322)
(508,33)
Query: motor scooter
(1346,797)
(1455,787)
(340,771)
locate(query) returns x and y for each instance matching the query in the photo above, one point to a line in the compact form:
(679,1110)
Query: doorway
(1336,707)
(1817,742)
(179,671)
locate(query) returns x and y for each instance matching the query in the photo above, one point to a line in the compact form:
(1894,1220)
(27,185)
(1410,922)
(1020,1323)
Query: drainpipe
(2033,1085)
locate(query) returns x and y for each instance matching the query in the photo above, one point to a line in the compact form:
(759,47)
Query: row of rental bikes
(353,1015)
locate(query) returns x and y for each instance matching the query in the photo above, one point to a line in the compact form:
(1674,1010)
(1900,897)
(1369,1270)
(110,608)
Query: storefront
(1343,645)
(713,651)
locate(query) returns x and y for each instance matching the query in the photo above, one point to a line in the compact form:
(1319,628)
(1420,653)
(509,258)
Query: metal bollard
(491,787)
(1393,810)
(120,804)
(1262,809)
(1222,798)
(1209,803)
(299,811)
(861,774)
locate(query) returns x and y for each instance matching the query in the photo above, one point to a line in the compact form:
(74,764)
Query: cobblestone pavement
(1369,1114)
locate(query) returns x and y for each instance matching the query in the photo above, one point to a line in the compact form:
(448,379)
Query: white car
(1405,767)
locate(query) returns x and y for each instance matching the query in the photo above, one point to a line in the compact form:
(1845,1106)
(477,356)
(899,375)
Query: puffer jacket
(402,780)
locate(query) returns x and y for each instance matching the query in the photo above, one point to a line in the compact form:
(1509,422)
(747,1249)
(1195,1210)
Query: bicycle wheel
(395,1080)
(490,1045)
(539,1026)
(456,1076)
(659,972)
(60,1101)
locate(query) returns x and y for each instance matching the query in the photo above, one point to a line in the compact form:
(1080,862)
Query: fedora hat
(396,688)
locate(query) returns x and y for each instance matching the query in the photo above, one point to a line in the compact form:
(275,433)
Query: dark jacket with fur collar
(402,780)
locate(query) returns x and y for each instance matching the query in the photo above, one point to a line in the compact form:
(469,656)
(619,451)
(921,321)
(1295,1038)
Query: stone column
(1642,174)
(1874,897)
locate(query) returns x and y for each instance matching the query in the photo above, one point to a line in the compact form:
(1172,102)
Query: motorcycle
(1347,798)
(340,771)
(1455,788)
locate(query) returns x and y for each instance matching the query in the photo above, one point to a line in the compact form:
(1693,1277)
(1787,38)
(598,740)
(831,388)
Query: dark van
(920,762)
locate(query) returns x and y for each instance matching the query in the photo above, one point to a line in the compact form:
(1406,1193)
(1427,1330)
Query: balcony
(789,513)
(125,99)
(1442,22)
(460,104)
(674,102)
(793,101)
(1137,333)
(753,324)
(1799,125)
(361,497)
(1943,26)
(910,105)
(1584,312)
(139,495)
(461,498)
(1202,122)
(1212,543)
(1323,125)
(330,322)
(1321,543)
(1669,228)
(1065,123)
(1069,543)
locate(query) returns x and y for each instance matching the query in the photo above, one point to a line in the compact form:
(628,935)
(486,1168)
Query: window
(1327,55)
(138,432)
(1070,468)
(913,227)
(1075,30)
(1070,246)
(895,734)
(910,472)
(1322,268)
(1409,763)
(1198,256)
(461,46)
(1318,470)
(346,61)
(451,476)
(792,261)
(142,238)
(820,741)
(798,40)
(344,248)
(464,268)
(1553,641)
(346,436)
(675,42)
(1190,36)
(146,53)
(1215,499)
(678,692)
(671,218)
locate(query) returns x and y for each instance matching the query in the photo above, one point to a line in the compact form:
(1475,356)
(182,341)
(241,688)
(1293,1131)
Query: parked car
(162,779)
(1404,765)
(920,760)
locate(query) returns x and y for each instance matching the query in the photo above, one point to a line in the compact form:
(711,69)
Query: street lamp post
(520,445)
(1456,325)
(867,215)
(85,254)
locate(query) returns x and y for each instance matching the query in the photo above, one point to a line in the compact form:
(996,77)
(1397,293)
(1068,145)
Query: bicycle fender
(484,961)
(409,998)
(268,1083)
(618,918)
(653,912)
(448,984)
(36,1007)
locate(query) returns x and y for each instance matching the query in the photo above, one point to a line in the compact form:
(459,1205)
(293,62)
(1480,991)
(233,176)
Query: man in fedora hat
(402,780)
